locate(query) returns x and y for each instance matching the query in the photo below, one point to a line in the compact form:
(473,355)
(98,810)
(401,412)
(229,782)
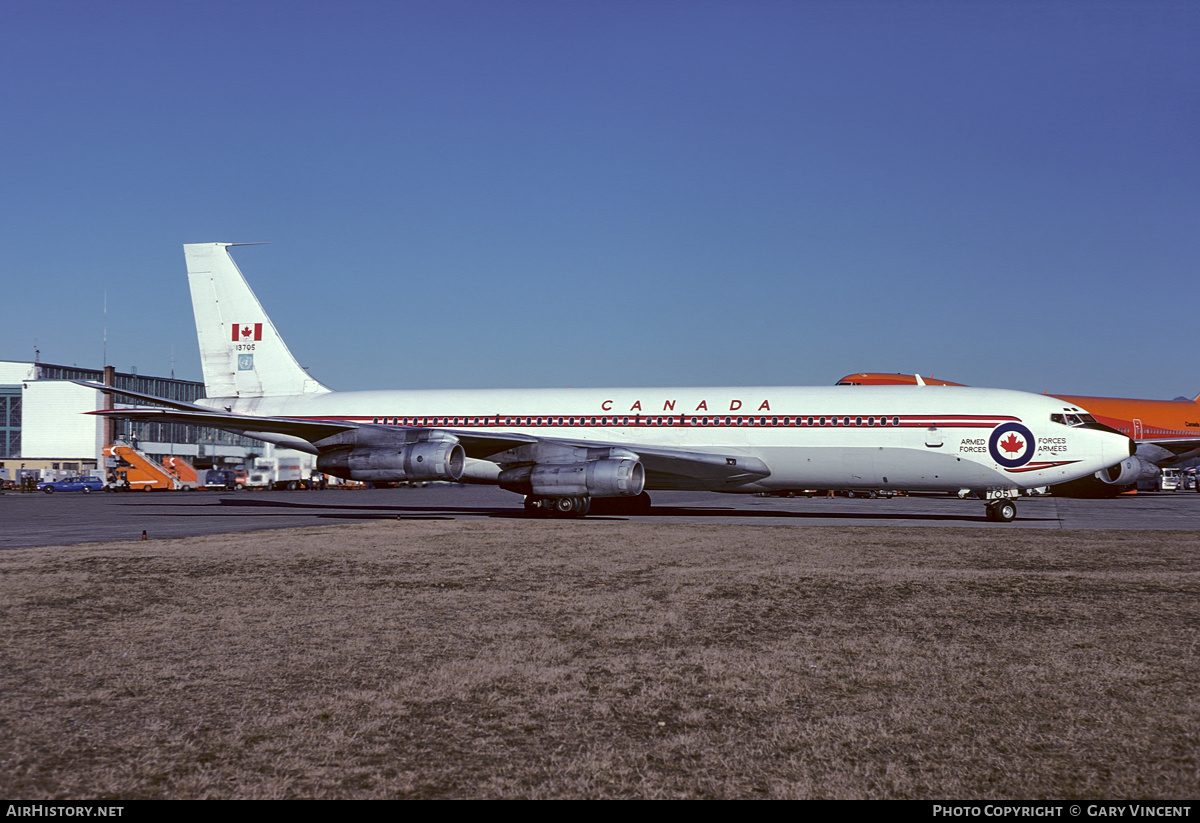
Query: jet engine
(621,477)
(1110,482)
(1128,471)
(425,460)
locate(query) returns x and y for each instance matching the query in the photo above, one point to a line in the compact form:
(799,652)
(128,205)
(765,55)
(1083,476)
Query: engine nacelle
(598,478)
(1128,471)
(1110,482)
(425,460)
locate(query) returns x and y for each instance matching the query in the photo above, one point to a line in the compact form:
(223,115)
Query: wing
(666,468)
(1180,448)
(284,431)
(300,433)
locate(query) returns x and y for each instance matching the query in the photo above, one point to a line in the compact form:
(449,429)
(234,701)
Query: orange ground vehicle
(185,474)
(136,471)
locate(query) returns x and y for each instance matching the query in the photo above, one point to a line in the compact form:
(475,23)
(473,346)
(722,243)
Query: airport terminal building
(44,424)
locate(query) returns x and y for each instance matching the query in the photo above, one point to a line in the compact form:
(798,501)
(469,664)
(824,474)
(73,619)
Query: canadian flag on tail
(246,333)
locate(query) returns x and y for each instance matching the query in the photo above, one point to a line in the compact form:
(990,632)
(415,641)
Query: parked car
(87,485)
(220,479)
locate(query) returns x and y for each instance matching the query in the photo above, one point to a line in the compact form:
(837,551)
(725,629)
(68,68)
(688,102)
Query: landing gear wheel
(1002,511)
(570,506)
(534,506)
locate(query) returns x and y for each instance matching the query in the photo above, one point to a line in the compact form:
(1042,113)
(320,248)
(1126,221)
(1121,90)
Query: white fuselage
(897,437)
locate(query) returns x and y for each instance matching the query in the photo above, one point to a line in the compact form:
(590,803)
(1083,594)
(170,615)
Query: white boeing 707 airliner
(562,448)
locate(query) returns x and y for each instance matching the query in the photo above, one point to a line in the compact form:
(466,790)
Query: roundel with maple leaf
(1012,445)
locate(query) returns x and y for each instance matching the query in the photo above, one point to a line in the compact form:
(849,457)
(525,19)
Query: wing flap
(678,469)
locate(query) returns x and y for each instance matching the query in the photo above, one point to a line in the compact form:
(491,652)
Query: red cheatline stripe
(756,421)
(1033,467)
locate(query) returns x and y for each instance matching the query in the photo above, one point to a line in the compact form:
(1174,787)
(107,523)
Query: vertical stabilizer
(241,353)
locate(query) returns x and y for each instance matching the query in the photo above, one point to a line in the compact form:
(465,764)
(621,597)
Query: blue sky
(520,194)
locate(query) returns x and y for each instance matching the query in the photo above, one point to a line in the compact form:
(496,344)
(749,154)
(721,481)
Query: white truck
(279,473)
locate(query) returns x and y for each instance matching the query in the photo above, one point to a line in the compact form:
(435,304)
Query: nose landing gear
(1002,511)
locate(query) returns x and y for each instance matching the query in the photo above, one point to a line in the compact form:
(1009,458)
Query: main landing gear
(565,507)
(1002,511)
(557,506)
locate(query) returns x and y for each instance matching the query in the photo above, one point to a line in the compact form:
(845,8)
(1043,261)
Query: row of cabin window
(684,420)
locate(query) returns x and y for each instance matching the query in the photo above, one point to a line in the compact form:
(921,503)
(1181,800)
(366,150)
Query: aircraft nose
(1117,449)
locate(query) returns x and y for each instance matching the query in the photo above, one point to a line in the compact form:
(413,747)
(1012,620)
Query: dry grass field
(591,659)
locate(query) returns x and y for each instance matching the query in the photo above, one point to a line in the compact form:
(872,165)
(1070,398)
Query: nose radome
(1117,449)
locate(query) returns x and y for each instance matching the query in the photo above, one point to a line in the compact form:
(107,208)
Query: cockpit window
(1074,419)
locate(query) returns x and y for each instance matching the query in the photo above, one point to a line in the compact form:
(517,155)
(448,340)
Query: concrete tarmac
(36,519)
